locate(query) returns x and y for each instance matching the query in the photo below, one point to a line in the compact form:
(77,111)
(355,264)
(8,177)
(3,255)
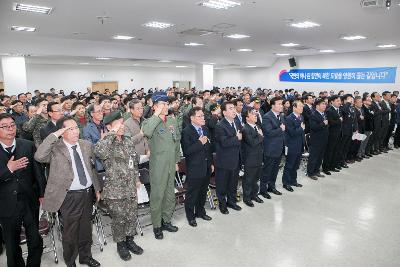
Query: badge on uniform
(130,163)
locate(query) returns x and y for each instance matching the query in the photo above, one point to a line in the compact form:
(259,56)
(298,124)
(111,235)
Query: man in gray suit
(70,188)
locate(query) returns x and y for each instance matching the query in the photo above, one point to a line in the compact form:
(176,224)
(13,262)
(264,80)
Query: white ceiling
(263,20)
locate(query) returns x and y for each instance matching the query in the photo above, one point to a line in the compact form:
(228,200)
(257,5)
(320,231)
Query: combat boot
(123,251)
(168,227)
(131,245)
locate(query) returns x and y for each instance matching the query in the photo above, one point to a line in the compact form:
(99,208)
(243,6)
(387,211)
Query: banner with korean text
(343,75)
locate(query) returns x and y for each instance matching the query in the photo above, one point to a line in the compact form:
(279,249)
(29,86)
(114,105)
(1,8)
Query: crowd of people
(64,152)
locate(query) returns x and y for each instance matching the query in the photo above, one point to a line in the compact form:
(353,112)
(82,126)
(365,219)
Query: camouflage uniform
(33,126)
(119,193)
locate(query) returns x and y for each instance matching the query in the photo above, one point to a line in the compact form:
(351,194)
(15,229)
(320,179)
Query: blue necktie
(200,131)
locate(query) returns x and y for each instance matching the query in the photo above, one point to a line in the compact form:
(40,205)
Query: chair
(46,228)
(180,190)
(305,155)
(101,238)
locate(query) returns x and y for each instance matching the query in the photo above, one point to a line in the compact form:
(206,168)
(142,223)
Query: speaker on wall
(292,62)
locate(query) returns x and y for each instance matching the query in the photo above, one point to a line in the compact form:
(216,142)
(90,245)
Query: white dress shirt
(76,184)
(4,146)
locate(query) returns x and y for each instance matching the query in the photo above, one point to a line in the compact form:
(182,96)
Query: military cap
(115,115)
(159,96)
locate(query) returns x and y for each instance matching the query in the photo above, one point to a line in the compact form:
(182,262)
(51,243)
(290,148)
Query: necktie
(255,128)
(79,167)
(278,117)
(9,149)
(233,125)
(200,131)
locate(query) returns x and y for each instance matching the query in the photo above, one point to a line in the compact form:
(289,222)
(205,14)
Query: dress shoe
(335,170)
(313,177)
(344,166)
(123,251)
(359,159)
(375,153)
(298,185)
(265,195)
(193,223)
(320,175)
(234,206)
(338,167)
(223,210)
(248,203)
(327,172)
(169,227)
(366,157)
(274,191)
(257,199)
(158,234)
(384,151)
(90,262)
(205,217)
(288,188)
(132,246)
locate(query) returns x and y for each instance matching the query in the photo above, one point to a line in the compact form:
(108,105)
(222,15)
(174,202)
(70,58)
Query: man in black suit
(294,141)
(55,112)
(308,100)
(228,141)
(366,145)
(198,157)
(386,113)
(273,128)
(334,117)
(349,126)
(22,186)
(318,139)
(239,120)
(376,110)
(252,147)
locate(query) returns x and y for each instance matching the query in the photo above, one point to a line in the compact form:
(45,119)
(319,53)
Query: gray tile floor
(347,219)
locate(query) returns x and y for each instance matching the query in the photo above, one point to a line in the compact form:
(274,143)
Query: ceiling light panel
(245,50)
(122,37)
(32,8)
(282,54)
(23,29)
(327,51)
(193,44)
(220,4)
(353,37)
(158,25)
(289,44)
(305,25)
(237,36)
(386,46)
(180,66)
(103,58)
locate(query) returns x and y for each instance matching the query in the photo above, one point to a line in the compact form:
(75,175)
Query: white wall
(73,77)
(269,77)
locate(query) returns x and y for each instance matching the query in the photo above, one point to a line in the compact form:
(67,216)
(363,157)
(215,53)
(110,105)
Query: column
(204,77)
(14,75)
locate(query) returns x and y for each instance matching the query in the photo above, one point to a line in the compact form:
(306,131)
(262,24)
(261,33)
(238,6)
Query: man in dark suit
(366,145)
(252,147)
(349,126)
(239,120)
(294,141)
(318,139)
(273,128)
(198,157)
(72,188)
(386,112)
(334,117)
(376,110)
(227,160)
(22,186)
(308,102)
(55,112)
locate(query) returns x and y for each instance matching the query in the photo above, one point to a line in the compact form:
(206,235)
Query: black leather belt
(81,190)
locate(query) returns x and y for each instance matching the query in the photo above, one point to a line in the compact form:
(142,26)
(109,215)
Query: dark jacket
(273,135)
(385,113)
(369,119)
(349,124)
(294,134)
(306,115)
(28,182)
(49,128)
(377,112)
(198,157)
(227,146)
(252,147)
(360,121)
(334,121)
(319,132)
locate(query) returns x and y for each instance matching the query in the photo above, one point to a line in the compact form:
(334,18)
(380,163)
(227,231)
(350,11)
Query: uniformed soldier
(164,141)
(122,178)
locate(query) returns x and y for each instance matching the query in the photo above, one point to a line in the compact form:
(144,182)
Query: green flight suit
(164,142)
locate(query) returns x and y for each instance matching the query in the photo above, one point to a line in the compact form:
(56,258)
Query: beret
(159,96)
(115,115)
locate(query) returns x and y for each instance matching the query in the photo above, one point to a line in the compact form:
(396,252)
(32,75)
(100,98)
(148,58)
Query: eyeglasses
(8,127)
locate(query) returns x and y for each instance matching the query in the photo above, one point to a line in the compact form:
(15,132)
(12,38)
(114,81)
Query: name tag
(130,163)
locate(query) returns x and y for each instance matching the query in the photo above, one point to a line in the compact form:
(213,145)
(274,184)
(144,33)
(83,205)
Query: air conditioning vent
(371,3)
(302,48)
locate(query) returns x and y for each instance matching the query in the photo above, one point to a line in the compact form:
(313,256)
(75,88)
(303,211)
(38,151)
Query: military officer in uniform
(122,178)
(164,141)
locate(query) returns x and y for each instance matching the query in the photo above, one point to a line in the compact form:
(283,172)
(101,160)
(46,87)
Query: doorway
(101,86)
(182,84)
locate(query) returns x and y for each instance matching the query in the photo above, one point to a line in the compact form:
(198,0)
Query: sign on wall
(343,75)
